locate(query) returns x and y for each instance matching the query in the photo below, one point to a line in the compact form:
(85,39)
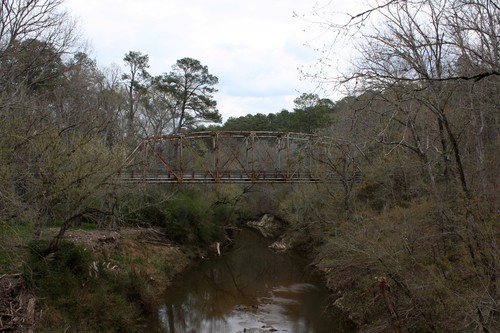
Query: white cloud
(254,47)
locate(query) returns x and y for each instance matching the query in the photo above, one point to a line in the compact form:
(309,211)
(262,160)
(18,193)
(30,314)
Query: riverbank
(418,267)
(98,281)
(374,265)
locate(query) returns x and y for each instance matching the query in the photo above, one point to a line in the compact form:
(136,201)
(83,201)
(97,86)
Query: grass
(76,301)
(87,226)
(73,299)
(13,239)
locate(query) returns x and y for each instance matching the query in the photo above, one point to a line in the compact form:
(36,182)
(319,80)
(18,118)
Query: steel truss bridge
(233,157)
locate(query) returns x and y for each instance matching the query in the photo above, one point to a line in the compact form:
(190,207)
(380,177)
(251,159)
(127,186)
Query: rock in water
(268,226)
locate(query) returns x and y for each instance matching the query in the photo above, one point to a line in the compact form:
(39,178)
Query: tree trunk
(458,159)
(386,292)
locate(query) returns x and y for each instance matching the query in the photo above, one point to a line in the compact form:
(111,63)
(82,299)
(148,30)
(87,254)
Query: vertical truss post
(288,175)
(181,177)
(216,147)
(252,142)
(309,152)
(145,146)
(247,143)
(279,152)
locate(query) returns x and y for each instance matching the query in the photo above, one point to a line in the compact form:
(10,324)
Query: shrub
(189,218)
(75,300)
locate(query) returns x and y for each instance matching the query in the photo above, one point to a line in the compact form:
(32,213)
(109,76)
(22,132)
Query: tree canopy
(310,114)
(192,88)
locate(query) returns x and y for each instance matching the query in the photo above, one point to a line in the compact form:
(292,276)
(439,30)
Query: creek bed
(250,288)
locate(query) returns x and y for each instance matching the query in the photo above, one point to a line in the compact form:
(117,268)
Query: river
(251,289)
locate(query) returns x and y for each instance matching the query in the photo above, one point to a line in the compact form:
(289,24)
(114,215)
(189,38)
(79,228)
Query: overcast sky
(254,47)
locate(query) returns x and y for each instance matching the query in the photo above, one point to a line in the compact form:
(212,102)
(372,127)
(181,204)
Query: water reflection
(251,288)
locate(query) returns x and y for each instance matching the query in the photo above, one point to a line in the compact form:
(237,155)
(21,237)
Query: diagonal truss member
(228,157)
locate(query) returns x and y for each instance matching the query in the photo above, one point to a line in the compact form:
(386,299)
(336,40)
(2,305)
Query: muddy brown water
(250,288)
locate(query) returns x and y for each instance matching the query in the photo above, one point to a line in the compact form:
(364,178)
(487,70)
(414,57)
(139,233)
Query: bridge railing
(232,176)
(229,176)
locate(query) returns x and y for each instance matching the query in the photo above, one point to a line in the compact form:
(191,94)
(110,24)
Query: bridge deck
(229,177)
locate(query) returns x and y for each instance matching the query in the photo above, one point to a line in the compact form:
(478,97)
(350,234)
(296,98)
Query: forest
(412,247)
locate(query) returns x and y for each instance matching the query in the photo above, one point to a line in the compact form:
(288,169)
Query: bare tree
(112,104)
(428,72)
(55,161)
(137,80)
(23,23)
(159,110)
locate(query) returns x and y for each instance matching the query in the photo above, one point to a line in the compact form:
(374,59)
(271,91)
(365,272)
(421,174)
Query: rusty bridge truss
(231,157)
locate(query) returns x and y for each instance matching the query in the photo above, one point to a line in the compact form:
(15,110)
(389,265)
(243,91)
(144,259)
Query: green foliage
(224,214)
(189,216)
(72,174)
(151,215)
(35,64)
(78,301)
(12,240)
(311,113)
(190,88)
(143,206)
(87,226)
(70,263)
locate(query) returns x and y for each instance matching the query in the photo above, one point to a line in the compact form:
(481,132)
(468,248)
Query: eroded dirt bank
(142,257)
